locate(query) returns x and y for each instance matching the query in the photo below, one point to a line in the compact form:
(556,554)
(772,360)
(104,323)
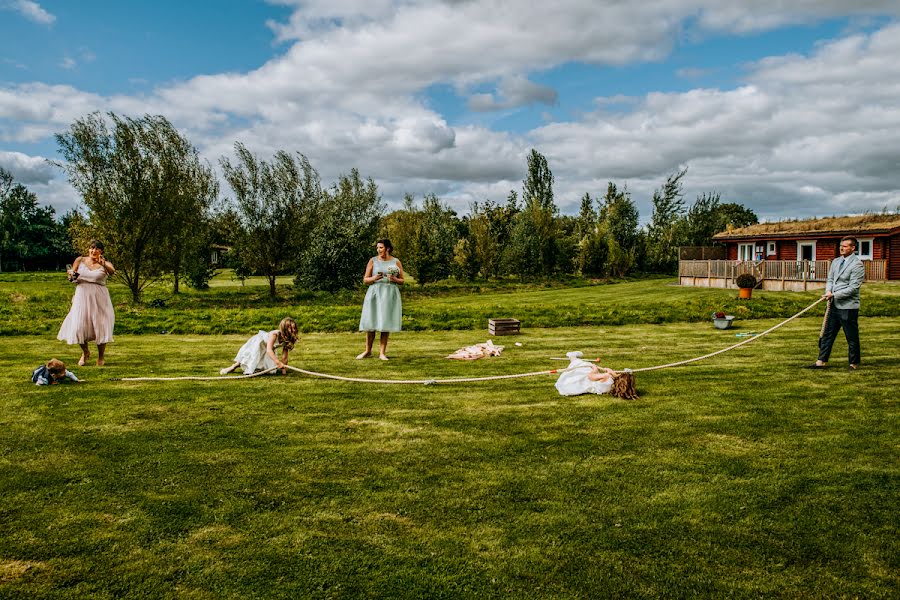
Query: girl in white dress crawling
(582,377)
(258,353)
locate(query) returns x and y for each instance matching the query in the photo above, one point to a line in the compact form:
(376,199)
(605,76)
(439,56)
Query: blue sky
(791,113)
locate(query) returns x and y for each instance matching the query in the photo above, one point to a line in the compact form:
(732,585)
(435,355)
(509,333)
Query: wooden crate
(504,326)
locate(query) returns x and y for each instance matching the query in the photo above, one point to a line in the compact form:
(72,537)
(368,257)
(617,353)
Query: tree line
(158,207)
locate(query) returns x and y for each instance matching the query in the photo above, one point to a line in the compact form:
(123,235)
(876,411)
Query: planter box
(504,326)
(724,323)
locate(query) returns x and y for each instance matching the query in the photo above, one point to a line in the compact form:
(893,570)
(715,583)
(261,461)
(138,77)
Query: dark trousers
(838,318)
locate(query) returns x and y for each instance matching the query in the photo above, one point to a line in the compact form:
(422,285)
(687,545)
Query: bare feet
(100,362)
(382,357)
(81,361)
(363,355)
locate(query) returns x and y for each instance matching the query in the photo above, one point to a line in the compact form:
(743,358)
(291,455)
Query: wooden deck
(771,274)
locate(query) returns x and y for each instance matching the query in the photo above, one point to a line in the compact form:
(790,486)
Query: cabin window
(745,251)
(864,249)
(806,250)
(770,249)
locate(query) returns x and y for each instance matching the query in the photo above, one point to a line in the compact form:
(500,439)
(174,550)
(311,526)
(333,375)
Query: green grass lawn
(38,302)
(740,476)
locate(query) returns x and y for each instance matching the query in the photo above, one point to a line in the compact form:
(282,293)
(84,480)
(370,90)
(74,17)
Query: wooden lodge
(795,255)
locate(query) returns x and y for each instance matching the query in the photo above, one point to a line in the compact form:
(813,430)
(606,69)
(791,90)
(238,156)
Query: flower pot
(745,293)
(724,322)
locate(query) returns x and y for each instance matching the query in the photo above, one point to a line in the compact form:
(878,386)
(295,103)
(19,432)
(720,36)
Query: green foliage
(30,235)
(708,216)
(429,253)
(534,243)
(465,265)
(666,228)
(145,189)
(735,215)
(276,204)
(745,280)
(619,224)
(342,235)
(490,230)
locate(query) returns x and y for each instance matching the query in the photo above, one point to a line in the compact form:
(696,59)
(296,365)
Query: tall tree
(664,232)
(731,214)
(534,247)
(587,217)
(342,237)
(134,179)
(619,221)
(400,227)
(16,206)
(196,192)
(489,226)
(431,255)
(276,204)
(702,220)
(591,246)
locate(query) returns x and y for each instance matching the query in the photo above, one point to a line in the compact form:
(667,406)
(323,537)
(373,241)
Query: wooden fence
(771,274)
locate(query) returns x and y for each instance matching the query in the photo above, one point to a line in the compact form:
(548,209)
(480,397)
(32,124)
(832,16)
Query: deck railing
(783,270)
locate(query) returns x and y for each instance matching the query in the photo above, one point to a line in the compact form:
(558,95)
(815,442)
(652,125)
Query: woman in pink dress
(91,317)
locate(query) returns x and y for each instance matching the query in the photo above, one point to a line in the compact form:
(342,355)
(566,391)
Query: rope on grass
(341,378)
(195,378)
(732,347)
(468,379)
(427,381)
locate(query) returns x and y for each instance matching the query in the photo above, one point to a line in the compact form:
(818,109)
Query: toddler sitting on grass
(52,373)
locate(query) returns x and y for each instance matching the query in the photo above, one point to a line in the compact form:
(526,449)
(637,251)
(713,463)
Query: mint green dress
(382,309)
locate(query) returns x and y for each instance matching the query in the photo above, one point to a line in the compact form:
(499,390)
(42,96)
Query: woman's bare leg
(370,339)
(382,345)
(101,350)
(85,355)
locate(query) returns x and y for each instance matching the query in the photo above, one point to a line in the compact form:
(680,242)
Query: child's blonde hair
(623,385)
(289,332)
(56,367)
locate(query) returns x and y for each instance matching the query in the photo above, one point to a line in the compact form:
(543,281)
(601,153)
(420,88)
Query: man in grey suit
(845,277)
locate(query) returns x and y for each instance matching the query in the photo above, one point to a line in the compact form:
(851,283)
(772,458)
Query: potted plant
(745,282)
(722,321)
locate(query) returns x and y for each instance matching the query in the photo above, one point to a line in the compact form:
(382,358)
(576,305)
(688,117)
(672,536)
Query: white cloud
(27,170)
(68,63)
(800,134)
(30,10)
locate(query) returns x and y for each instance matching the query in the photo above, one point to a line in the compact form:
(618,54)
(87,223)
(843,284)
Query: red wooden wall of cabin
(894,257)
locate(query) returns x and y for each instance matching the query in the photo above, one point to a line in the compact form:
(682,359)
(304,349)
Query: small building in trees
(795,255)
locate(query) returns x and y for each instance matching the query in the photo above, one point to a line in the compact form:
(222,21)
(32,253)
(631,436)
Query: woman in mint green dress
(382,309)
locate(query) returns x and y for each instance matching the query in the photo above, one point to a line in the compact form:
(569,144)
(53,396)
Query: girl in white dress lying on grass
(582,377)
(258,353)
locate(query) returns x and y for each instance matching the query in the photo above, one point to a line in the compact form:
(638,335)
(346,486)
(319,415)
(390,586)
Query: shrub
(745,280)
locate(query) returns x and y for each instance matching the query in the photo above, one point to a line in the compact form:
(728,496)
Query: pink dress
(91,317)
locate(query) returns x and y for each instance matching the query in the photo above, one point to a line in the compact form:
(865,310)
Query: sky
(789,108)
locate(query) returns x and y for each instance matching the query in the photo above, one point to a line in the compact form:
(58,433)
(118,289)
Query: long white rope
(196,377)
(427,381)
(464,379)
(739,344)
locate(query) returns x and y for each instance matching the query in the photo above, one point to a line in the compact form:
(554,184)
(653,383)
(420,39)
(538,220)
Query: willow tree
(276,203)
(144,187)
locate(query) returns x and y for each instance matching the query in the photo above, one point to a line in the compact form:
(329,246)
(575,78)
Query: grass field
(742,476)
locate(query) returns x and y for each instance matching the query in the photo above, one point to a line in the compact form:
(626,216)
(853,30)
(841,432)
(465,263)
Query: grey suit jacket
(845,276)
